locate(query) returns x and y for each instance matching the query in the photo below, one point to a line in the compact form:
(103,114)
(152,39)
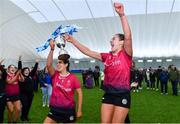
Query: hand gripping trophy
(61,44)
(57,36)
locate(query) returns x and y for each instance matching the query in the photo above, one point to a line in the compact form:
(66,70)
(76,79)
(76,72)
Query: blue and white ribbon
(59,31)
(45,46)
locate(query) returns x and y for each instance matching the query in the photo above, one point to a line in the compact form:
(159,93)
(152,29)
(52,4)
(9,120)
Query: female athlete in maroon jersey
(62,103)
(116,100)
(12,92)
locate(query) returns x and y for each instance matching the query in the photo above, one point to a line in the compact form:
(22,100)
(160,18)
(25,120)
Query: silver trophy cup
(61,44)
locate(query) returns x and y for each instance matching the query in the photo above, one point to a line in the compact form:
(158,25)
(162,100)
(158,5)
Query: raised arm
(3,70)
(19,63)
(126,29)
(49,62)
(1,61)
(21,78)
(85,50)
(34,70)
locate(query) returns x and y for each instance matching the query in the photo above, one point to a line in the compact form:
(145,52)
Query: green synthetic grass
(147,106)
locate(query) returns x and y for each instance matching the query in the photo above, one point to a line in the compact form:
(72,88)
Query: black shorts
(120,99)
(12,98)
(62,115)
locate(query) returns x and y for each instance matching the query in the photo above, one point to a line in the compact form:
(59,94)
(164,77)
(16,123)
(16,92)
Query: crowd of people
(17,87)
(91,78)
(156,79)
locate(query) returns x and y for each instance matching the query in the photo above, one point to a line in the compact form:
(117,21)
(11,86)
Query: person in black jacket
(96,75)
(152,79)
(158,77)
(3,76)
(140,78)
(26,90)
(84,75)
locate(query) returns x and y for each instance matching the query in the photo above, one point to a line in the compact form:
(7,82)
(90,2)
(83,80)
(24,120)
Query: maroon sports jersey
(63,90)
(13,88)
(117,71)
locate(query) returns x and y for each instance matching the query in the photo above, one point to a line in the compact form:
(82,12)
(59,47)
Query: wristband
(121,15)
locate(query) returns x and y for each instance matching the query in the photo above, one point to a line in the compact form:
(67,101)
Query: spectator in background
(174,78)
(89,79)
(147,78)
(26,90)
(84,75)
(40,75)
(102,79)
(132,74)
(164,80)
(140,78)
(152,79)
(158,71)
(35,81)
(96,75)
(90,72)
(134,77)
(3,76)
(46,86)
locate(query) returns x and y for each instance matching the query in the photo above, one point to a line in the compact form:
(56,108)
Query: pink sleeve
(9,77)
(104,56)
(76,83)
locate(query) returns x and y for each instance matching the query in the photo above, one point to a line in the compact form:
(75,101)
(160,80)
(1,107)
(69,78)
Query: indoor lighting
(93,61)
(140,60)
(158,60)
(76,61)
(168,60)
(150,60)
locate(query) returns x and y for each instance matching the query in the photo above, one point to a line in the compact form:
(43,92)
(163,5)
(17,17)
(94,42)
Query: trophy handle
(62,38)
(60,42)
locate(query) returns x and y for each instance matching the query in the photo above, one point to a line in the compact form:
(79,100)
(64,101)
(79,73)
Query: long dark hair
(24,70)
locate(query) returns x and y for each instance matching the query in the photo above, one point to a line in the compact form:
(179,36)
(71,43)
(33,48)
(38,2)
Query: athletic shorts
(12,98)
(62,115)
(120,99)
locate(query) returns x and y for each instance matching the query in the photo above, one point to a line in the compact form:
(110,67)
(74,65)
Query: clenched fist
(119,8)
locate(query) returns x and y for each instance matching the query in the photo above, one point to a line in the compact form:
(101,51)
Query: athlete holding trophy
(64,83)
